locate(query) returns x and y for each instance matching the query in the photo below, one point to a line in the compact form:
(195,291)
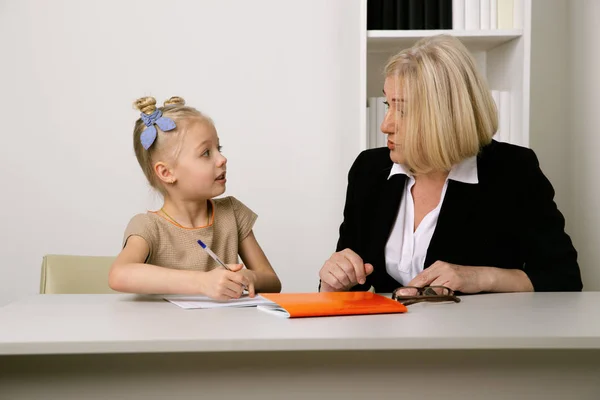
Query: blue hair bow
(149,135)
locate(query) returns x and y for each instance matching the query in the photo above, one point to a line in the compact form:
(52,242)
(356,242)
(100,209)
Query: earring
(172,181)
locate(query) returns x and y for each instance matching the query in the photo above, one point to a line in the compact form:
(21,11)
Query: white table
(500,346)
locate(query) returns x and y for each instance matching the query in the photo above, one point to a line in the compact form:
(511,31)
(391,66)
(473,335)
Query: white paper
(274,309)
(203,302)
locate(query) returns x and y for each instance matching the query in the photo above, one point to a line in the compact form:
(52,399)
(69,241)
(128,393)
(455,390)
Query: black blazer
(507,220)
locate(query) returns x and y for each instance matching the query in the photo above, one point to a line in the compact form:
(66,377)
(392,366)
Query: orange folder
(298,305)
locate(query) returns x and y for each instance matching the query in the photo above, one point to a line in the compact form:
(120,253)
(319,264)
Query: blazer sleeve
(348,227)
(550,258)
(348,230)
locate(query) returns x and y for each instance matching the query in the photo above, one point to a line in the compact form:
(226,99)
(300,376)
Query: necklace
(171,218)
(181,226)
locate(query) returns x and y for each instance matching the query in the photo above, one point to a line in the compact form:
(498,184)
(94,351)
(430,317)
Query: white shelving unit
(502,55)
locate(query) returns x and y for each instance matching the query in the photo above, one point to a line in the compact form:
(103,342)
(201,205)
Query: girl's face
(200,167)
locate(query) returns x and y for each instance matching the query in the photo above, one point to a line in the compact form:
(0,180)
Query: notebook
(195,302)
(299,305)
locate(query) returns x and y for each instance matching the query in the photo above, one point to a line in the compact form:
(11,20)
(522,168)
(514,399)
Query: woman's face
(392,124)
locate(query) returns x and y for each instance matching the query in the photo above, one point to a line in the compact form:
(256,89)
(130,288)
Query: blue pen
(215,257)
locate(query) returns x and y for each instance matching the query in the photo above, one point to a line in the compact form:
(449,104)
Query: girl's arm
(130,274)
(255,260)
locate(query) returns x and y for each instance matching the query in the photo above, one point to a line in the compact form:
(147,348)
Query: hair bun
(175,100)
(147,105)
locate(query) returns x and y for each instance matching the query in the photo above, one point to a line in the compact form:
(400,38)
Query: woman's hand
(473,279)
(221,284)
(342,271)
(456,277)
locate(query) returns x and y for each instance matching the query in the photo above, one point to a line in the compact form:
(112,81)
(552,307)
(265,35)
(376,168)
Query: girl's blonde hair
(175,109)
(448,110)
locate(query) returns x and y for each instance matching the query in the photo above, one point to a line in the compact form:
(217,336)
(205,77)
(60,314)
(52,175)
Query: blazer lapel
(458,209)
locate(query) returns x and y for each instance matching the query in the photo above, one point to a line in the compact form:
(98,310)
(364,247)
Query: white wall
(549,91)
(565,88)
(280,79)
(583,134)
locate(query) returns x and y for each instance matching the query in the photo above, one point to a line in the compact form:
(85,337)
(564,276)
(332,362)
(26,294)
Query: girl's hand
(251,277)
(221,284)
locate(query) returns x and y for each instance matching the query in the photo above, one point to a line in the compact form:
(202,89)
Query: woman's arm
(256,261)
(345,268)
(505,280)
(550,258)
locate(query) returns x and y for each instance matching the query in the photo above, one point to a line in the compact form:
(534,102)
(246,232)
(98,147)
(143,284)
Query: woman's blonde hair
(449,113)
(166,144)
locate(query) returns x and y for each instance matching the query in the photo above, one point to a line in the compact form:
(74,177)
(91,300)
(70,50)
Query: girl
(178,150)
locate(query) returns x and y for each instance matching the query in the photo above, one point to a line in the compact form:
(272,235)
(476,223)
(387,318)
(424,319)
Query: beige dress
(173,246)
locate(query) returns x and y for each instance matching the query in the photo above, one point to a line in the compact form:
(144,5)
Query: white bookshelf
(503,57)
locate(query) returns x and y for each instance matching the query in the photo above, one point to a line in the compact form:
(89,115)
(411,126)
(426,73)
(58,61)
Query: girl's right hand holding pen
(221,284)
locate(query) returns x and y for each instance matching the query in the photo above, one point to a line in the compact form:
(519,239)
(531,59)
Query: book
(431,14)
(493,14)
(445,10)
(329,304)
(505,108)
(472,15)
(389,15)
(416,14)
(402,14)
(518,11)
(374,14)
(485,14)
(458,14)
(505,14)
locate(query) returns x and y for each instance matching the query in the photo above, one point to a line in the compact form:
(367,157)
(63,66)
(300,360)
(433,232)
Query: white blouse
(406,249)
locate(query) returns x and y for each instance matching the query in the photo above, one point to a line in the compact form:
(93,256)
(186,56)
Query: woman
(444,204)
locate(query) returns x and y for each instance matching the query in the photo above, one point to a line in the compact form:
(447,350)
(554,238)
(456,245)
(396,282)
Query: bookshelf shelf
(389,41)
